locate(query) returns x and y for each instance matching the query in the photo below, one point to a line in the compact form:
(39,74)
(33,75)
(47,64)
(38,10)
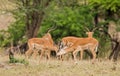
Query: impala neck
(90,34)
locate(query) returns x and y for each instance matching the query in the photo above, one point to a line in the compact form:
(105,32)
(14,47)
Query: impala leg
(28,53)
(48,54)
(60,57)
(35,53)
(75,54)
(81,54)
(41,54)
(94,55)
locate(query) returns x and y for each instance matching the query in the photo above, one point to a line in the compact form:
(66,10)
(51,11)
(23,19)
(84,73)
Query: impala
(34,45)
(75,44)
(45,48)
(68,41)
(44,44)
(81,45)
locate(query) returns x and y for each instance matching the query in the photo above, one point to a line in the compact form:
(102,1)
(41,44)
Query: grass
(56,67)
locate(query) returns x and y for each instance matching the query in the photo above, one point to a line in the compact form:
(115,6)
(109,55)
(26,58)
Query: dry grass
(6,17)
(7,5)
(56,67)
(5,20)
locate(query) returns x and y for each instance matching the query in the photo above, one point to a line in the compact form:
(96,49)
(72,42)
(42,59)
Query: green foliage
(72,22)
(15,32)
(112,5)
(17,29)
(69,21)
(70,17)
(4,38)
(108,10)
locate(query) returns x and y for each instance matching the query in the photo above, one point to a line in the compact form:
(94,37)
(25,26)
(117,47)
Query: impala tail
(96,49)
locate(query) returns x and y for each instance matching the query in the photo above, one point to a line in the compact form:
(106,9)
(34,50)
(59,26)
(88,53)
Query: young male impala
(44,44)
(45,48)
(68,41)
(79,44)
(36,44)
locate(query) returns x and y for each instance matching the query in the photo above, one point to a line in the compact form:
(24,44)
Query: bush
(14,60)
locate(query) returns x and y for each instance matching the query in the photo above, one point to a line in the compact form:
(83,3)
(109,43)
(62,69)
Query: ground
(56,67)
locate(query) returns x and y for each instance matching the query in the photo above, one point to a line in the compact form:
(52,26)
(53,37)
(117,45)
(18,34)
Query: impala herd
(68,44)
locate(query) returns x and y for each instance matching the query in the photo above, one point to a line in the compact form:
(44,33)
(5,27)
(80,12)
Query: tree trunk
(96,19)
(35,16)
(114,48)
(32,26)
(115,40)
(116,53)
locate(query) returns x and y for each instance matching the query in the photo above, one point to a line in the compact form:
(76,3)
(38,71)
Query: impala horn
(87,29)
(52,28)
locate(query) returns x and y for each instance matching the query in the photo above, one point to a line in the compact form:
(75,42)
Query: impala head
(90,32)
(48,35)
(48,32)
(62,51)
(61,45)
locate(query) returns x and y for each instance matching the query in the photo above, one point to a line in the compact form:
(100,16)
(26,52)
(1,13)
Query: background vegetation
(70,17)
